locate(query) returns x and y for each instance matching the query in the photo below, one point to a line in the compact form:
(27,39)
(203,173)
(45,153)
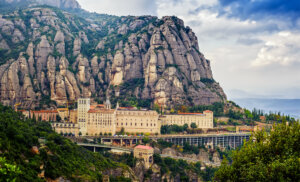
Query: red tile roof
(144,147)
(45,111)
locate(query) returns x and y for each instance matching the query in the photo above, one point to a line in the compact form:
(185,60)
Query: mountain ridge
(52,55)
(64,4)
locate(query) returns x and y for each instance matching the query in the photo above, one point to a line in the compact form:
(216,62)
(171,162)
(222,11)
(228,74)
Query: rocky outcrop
(65,4)
(203,156)
(171,152)
(64,57)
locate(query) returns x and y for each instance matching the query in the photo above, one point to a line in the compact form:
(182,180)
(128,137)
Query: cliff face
(65,4)
(49,55)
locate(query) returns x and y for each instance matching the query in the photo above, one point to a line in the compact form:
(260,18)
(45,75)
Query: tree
(183,109)
(193,125)
(58,118)
(271,156)
(146,140)
(8,172)
(80,133)
(122,132)
(185,127)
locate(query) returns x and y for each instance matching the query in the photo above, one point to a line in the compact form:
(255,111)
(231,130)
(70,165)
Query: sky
(253,45)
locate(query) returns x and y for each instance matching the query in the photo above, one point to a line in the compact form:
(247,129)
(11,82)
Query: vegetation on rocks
(25,158)
(272,156)
(68,53)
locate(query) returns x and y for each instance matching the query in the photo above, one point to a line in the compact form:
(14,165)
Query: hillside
(56,157)
(49,56)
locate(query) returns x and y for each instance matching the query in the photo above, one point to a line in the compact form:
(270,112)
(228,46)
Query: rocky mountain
(49,56)
(64,4)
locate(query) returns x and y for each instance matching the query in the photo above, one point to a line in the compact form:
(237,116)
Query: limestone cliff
(65,4)
(50,56)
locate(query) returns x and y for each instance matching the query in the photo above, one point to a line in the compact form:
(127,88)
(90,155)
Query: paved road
(105,146)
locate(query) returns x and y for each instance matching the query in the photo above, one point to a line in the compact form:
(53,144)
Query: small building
(66,128)
(145,153)
(137,121)
(202,120)
(44,115)
(262,118)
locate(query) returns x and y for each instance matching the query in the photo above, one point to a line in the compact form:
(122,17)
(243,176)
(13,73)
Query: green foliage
(172,129)
(119,179)
(58,118)
(125,158)
(191,149)
(121,132)
(193,125)
(234,115)
(181,167)
(207,80)
(164,144)
(217,108)
(271,156)
(46,100)
(146,140)
(8,172)
(59,156)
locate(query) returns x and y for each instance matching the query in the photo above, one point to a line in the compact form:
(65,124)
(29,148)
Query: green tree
(8,172)
(146,140)
(193,125)
(58,118)
(271,156)
(185,127)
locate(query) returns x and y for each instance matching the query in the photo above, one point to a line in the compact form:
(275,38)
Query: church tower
(107,104)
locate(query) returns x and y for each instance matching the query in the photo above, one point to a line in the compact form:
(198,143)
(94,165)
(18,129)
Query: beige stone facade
(94,120)
(101,121)
(44,115)
(73,116)
(82,112)
(202,120)
(66,128)
(137,121)
(145,153)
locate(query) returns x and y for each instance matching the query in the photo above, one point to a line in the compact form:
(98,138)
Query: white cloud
(282,48)
(120,7)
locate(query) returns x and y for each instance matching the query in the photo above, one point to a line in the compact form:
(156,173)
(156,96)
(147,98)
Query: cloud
(282,49)
(120,7)
(249,41)
(260,9)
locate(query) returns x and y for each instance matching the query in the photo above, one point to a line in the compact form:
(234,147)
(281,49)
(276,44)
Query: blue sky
(253,45)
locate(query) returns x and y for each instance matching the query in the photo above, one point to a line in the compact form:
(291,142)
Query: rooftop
(143,147)
(101,110)
(45,111)
(97,106)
